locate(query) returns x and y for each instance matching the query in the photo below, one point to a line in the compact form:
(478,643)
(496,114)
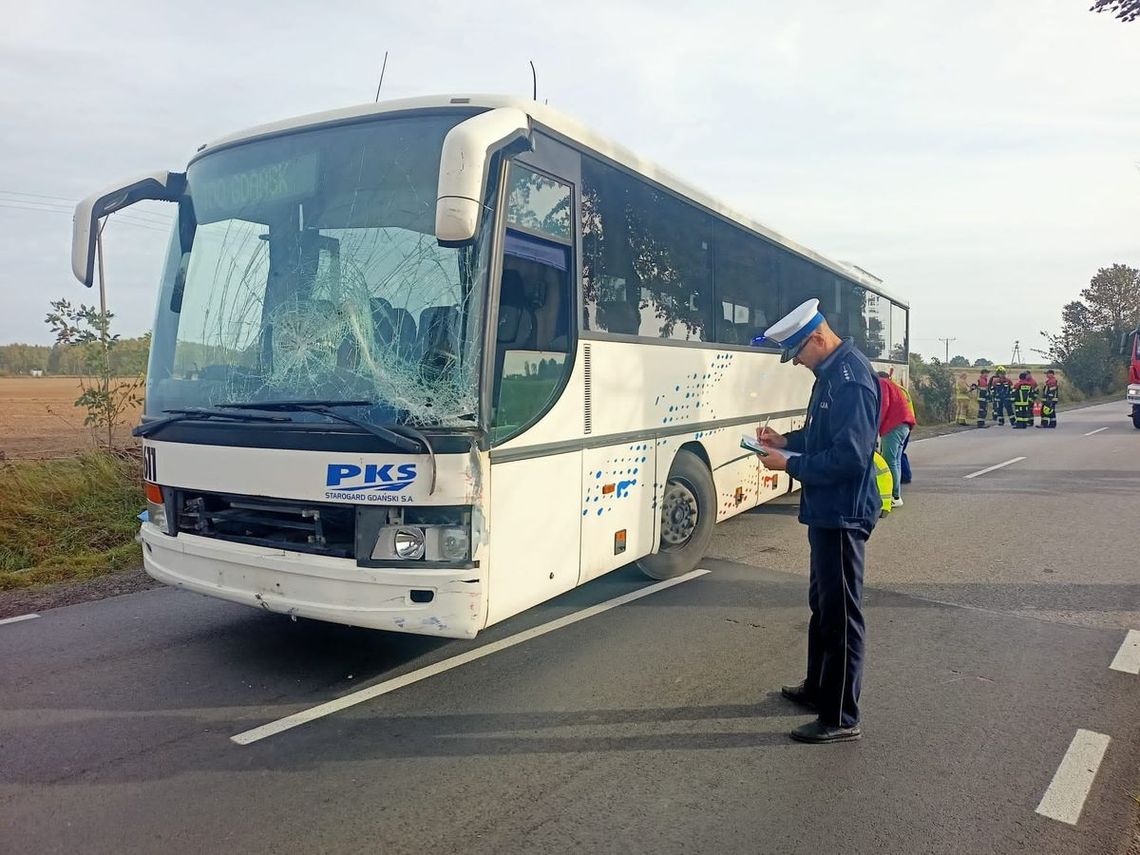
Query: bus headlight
(454,544)
(156,515)
(434,535)
(409,543)
(155,506)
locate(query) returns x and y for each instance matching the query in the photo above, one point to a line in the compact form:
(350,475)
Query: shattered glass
(313,274)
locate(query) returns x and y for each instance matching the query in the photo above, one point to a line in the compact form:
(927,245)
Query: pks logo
(386,478)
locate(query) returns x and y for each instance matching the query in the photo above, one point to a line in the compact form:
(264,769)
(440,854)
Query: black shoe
(799,695)
(818,733)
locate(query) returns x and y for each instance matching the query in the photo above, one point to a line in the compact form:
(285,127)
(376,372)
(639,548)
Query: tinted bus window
(646,259)
(898,337)
(747,285)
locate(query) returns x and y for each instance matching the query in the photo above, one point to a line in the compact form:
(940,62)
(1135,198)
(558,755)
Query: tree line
(1089,346)
(127,359)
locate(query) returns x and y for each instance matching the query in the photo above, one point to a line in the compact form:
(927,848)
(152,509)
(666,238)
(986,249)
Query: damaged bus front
(313,433)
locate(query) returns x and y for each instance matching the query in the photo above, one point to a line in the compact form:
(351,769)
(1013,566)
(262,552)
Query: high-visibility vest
(885,482)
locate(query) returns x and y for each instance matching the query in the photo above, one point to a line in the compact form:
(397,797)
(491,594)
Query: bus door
(536,456)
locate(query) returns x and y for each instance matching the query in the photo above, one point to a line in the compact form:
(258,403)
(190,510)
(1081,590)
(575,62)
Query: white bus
(421,365)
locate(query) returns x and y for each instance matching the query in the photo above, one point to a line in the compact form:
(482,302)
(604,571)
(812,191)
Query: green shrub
(63,520)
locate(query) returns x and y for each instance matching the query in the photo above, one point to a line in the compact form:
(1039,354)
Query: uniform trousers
(836,630)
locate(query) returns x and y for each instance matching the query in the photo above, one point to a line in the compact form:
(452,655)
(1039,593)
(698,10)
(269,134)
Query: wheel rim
(679,514)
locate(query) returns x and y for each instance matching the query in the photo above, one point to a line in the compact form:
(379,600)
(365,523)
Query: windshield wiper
(403,437)
(201,414)
(331,409)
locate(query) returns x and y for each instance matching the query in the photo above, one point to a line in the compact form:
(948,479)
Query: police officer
(1001,389)
(1050,395)
(982,385)
(839,504)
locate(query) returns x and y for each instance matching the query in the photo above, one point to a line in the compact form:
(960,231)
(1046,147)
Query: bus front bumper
(318,587)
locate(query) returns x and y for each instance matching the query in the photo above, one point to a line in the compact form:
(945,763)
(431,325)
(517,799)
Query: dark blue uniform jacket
(837,469)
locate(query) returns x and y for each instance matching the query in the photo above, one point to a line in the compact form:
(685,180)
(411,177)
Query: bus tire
(688,514)
(1136,417)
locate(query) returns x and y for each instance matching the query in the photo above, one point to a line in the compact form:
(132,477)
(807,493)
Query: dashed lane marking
(322,710)
(992,468)
(1128,656)
(18,619)
(1098,430)
(1065,798)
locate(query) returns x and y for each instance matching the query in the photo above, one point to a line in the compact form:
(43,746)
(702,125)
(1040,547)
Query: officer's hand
(775,461)
(771,438)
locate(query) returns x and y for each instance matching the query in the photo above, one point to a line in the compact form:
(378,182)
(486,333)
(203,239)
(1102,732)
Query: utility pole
(947,341)
(104,330)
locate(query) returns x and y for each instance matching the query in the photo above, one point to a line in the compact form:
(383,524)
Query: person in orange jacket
(1001,393)
(982,386)
(1033,392)
(1023,401)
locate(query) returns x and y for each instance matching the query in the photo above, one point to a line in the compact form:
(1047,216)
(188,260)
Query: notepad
(752,444)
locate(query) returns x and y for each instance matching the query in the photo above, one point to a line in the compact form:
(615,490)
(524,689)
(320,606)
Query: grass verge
(68,520)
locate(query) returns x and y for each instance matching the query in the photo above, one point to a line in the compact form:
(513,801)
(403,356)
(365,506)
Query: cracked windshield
(308,269)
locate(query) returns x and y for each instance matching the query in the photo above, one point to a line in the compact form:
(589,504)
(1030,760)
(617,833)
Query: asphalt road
(995,606)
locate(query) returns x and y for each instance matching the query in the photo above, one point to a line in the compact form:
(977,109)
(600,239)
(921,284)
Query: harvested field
(38,418)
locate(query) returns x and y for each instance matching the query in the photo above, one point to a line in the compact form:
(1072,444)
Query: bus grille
(311,527)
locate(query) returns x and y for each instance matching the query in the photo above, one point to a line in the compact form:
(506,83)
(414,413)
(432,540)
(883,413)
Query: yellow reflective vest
(885,481)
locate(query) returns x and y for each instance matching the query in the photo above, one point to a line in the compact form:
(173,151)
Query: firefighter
(1033,394)
(1001,389)
(982,386)
(1022,401)
(962,400)
(1050,395)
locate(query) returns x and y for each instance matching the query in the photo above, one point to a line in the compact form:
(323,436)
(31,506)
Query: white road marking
(1128,656)
(1065,798)
(18,619)
(1098,430)
(322,710)
(992,468)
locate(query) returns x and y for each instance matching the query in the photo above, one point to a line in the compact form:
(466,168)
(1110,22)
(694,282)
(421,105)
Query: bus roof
(570,129)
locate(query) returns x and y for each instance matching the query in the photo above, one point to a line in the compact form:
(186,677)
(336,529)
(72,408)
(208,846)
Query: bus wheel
(688,513)
(1136,417)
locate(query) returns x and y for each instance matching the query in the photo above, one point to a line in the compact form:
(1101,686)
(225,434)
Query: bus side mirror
(160,186)
(468,151)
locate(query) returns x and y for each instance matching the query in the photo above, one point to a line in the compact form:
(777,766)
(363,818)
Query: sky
(982,158)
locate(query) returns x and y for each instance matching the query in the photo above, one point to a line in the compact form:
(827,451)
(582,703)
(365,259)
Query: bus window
(646,267)
(533,333)
(898,348)
(876,325)
(538,203)
(747,286)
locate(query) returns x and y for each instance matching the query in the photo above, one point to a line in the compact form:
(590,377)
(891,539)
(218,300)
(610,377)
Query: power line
(60,207)
(138,224)
(156,219)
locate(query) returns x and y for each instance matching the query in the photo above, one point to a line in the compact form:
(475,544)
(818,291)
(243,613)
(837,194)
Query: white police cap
(792,330)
